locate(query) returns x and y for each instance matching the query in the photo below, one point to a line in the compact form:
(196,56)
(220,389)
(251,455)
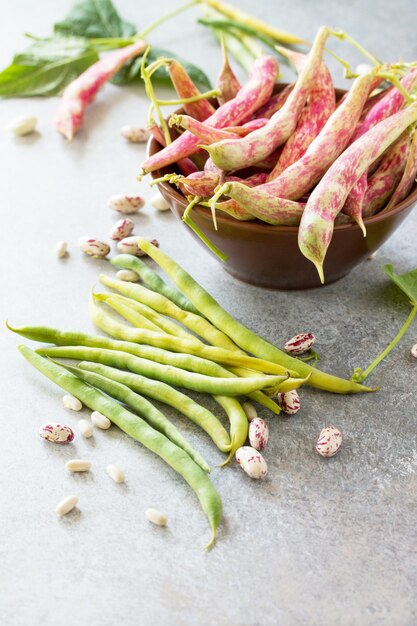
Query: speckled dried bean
(93,247)
(57,433)
(66,505)
(99,420)
(121,229)
(129,245)
(70,402)
(78,465)
(252,462)
(135,134)
(258,433)
(156,517)
(116,473)
(414,351)
(125,204)
(300,343)
(329,441)
(289,402)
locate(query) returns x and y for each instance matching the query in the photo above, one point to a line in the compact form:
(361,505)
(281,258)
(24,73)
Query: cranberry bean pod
(203,184)
(250,97)
(233,154)
(185,88)
(82,91)
(275,102)
(186,166)
(328,198)
(227,83)
(248,127)
(207,134)
(409,176)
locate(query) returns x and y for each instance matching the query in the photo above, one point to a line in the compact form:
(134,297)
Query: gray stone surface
(319,541)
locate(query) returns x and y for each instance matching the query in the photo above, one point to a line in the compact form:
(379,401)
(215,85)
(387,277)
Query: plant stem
(187,220)
(202,96)
(148,29)
(146,76)
(340,34)
(363,375)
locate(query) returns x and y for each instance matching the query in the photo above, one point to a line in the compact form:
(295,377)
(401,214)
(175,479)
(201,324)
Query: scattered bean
(99,420)
(258,433)
(289,402)
(93,247)
(78,465)
(372,256)
(121,229)
(414,351)
(66,505)
(128,276)
(329,441)
(125,204)
(56,433)
(135,134)
(159,203)
(116,473)
(250,411)
(129,245)
(70,402)
(300,343)
(61,249)
(23,125)
(156,517)
(86,428)
(252,462)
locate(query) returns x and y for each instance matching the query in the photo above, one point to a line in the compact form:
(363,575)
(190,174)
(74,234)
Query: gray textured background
(319,541)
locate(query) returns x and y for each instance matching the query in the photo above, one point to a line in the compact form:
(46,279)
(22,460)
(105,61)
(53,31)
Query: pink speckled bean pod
(328,198)
(249,127)
(265,202)
(321,104)
(82,91)
(186,166)
(204,183)
(233,154)
(275,102)
(409,177)
(250,97)
(207,134)
(227,83)
(185,88)
(386,178)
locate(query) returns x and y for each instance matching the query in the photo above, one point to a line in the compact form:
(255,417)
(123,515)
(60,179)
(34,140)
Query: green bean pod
(140,405)
(239,425)
(138,429)
(166,373)
(241,335)
(153,280)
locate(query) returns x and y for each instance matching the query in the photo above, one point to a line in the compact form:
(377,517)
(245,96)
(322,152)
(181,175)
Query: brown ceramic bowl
(268,256)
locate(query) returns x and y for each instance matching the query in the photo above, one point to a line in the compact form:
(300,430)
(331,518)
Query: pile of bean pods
(299,156)
(178,336)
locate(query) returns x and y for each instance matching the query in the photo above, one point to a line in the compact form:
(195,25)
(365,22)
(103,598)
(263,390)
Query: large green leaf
(131,71)
(94,19)
(406,282)
(46,67)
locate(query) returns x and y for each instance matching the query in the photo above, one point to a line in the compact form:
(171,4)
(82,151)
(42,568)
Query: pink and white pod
(56,433)
(289,402)
(258,433)
(329,441)
(252,462)
(300,343)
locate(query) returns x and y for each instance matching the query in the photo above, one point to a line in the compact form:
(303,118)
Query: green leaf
(46,67)
(406,282)
(94,19)
(131,71)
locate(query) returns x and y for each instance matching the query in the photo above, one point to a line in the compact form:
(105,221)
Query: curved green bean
(241,335)
(166,394)
(140,405)
(154,281)
(166,373)
(239,425)
(137,428)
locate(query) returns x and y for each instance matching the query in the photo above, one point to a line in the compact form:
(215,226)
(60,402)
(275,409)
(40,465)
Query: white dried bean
(128,276)
(125,204)
(85,428)
(78,465)
(252,462)
(56,433)
(70,402)
(300,343)
(258,433)
(159,203)
(116,473)
(99,420)
(329,441)
(135,134)
(289,402)
(93,247)
(250,411)
(121,229)
(23,125)
(414,351)
(61,249)
(66,505)
(156,517)
(129,245)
